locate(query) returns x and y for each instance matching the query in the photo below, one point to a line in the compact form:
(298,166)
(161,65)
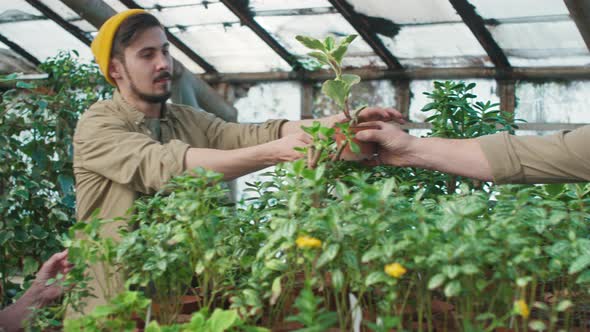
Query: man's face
(146,70)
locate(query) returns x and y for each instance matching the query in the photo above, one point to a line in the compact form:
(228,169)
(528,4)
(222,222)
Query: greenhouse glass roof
(258,36)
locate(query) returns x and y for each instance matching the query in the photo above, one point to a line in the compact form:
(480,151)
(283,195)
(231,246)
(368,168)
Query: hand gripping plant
(338,89)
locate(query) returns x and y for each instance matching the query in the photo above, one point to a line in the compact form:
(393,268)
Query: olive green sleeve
(561,157)
(227,135)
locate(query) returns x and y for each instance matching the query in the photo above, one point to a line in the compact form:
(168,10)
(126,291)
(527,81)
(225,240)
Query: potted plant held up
(330,53)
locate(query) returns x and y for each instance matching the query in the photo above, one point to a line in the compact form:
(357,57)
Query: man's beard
(152,99)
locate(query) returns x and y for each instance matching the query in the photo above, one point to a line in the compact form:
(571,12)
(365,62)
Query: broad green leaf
(337,279)
(276,290)
(38,232)
(30,266)
(329,43)
(453,288)
(469,269)
(328,255)
(354,147)
(336,90)
(371,254)
(436,281)
(348,39)
(311,43)
(376,277)
(537,325)
(339,52)
(222,320)
(451,271)
(579,264)
(275,265)
(321,57)
(564,305)
(350,79)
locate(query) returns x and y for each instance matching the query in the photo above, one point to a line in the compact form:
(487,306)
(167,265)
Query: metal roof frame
(579,11)
(178,43)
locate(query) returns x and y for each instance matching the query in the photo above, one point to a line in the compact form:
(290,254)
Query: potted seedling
(330,53)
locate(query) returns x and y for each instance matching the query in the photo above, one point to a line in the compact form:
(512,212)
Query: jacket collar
(133,114)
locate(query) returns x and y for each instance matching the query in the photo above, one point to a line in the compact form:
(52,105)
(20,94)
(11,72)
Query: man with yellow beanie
(134,143)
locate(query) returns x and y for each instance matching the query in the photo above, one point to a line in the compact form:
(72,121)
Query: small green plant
(37,199)
(329,53)
(120,314)
(312,315)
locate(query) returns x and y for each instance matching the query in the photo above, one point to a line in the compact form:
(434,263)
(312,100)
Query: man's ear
(116,69)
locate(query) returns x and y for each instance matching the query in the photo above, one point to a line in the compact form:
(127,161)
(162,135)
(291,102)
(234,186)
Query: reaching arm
(238,162)
(397,148)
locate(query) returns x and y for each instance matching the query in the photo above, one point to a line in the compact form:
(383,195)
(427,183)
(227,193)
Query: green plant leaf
(376,277)
(276,290)
(337,90)
(30,266)
(354,147)
(329,43)
(579,264)
(436,281)
(564,305)
(311,43)
(222,320)
(453,288)
(537,325)
(350,79)
(337,279)
(321,57)
(328,255)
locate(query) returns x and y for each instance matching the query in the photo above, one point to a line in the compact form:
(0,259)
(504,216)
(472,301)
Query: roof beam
(74,30)
(477,26)
(580,13)
(361,24)
(240,9)
(21,51)
(517,73)
(178,43)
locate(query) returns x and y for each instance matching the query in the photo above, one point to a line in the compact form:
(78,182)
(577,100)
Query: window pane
(544,43)
(263,5)
(27,35)
(440,45)
(233,49)
(553,102)
(285,28)
(407,11)
(499,9)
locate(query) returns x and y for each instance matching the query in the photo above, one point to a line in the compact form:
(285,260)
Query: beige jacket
(558,158)
(117,157)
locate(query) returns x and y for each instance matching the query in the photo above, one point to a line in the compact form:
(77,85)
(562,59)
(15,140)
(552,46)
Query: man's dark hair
(130,29)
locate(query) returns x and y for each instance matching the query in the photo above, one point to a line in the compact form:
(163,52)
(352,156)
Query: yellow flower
(522,308)
(395,270)
(305,242)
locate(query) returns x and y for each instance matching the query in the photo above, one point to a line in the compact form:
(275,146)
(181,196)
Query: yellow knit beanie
(103,43)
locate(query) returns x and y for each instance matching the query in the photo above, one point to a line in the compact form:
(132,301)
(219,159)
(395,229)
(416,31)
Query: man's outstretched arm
(397,148)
